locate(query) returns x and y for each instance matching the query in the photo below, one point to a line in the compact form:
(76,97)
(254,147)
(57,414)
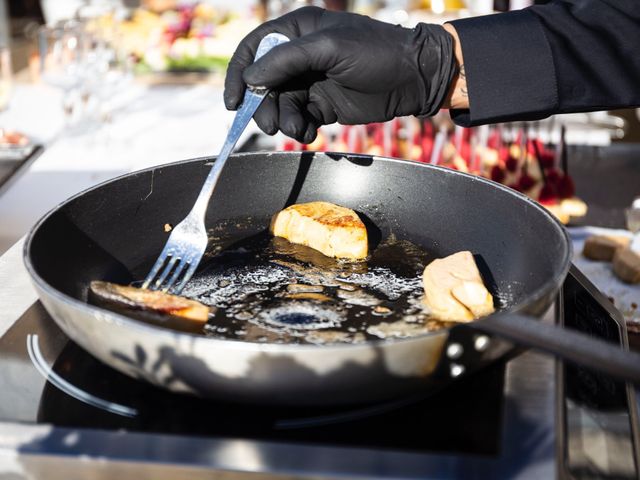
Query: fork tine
(156,267)
(181,266)
(193,264)
(158,283)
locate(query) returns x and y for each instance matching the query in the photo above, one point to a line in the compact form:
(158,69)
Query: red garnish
(526,182)
(395,147)
(566,187)
(289,146)
(427,148)
(547,195)
(553,176)
(547,159)
(465,151)
(378,135)
(511,163)
(494,140)
(497,174)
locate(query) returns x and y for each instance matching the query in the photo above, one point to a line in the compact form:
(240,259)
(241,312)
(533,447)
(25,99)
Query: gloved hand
(341,67)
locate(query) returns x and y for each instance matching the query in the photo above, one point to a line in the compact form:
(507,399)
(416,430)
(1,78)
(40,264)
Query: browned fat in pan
(270,290)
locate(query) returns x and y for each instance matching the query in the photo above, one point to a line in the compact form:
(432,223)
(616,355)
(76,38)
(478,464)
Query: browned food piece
(454,290)
(331,229)
(603,247)
(558,212)
(567,208)
(150,300)
(626,265)
(321,297)
(574,207)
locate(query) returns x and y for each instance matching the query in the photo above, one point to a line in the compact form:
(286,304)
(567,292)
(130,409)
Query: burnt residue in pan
(269,290)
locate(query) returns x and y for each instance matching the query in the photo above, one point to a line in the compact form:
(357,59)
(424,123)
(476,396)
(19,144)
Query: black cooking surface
(439,422)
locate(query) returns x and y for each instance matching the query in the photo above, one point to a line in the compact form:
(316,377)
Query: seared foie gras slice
(331,229)
(150,300)
(453,289)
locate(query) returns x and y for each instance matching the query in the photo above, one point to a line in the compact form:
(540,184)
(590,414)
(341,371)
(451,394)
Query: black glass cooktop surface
(514,418)
(83,392)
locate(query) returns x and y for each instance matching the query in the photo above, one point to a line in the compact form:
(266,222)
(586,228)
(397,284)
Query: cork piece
(603,247)
(626,265)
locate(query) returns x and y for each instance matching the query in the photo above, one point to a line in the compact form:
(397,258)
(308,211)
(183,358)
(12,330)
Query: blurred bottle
(337,5)
(518,4)
(479,7)
(55,11)
(5,56)
(441,6)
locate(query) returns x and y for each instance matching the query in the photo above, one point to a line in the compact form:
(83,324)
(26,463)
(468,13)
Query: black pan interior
(115,231)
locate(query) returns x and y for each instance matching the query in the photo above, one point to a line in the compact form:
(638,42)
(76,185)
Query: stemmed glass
(62,61)
(108,70)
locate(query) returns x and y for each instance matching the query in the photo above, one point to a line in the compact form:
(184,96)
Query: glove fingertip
(233,91)
(293,128)
(230,102)
(267,125)
(252,75)
(310,135)
(270,129)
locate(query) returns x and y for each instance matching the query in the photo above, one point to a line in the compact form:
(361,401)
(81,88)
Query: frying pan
(115,231)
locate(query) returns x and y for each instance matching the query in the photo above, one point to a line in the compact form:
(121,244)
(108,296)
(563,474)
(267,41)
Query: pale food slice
(454,290)
(331,229)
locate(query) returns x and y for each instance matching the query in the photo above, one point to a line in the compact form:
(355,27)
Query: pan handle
(564,343)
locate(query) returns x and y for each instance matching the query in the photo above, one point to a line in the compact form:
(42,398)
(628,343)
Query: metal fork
(188,240)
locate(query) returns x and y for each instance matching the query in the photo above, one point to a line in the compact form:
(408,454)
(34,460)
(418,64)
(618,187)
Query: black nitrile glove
(341,67)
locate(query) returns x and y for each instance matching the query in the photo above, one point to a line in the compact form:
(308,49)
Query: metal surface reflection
(45,370)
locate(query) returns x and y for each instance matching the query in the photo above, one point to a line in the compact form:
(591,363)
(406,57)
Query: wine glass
(62,54)
(5,77)
(109,70)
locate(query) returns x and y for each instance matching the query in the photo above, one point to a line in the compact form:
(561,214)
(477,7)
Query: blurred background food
(194,37)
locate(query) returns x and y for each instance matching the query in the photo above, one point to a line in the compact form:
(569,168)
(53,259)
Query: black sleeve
(565,56)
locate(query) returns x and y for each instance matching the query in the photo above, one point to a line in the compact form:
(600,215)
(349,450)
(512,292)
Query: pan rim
(551,285)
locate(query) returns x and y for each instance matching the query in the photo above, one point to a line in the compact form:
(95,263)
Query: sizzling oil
(269,290)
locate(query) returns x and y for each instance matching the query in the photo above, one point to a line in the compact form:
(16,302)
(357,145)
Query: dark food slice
(150,300)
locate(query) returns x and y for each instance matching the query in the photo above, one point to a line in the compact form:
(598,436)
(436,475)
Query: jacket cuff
(509,69)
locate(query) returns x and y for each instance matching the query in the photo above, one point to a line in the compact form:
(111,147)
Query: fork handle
(253,97)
